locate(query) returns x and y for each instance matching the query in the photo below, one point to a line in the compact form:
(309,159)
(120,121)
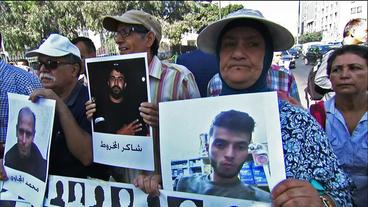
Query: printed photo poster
(68,191)
(189,153)
(118,85)
(27,147)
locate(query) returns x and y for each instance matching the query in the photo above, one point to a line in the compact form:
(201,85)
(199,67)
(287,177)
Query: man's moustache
(48,76)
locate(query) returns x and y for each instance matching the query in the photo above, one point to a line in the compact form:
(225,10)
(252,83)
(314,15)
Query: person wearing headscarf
(244,43)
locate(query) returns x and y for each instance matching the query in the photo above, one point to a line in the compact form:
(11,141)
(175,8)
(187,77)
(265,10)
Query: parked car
(315,54)
(294,52)
(286,60)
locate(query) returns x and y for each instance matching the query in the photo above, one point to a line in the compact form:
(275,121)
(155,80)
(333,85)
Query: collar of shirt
(154,67)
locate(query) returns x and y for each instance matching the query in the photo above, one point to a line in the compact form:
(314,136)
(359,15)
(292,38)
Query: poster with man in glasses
(117,86)
(27,147)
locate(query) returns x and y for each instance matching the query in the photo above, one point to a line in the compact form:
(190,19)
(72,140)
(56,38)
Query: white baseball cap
(55,46)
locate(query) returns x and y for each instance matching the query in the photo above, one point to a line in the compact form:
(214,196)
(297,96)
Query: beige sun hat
(134,17)
(207,40)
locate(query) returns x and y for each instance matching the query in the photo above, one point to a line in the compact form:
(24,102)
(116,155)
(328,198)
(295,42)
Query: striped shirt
(13,80)
(170,82)
(278,79)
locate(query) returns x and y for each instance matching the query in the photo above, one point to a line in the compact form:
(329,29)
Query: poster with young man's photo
(27,147)
(118,85)
(228,146)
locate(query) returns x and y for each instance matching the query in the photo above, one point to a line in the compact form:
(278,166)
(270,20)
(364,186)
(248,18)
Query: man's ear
(150,39)
(76,69)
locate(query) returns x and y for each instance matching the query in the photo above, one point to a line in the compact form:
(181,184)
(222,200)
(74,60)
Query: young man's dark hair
(88,42)
(235,121)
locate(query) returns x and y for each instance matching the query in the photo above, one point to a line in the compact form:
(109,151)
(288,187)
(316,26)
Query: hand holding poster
(27,147)
(224,149)
(118,85)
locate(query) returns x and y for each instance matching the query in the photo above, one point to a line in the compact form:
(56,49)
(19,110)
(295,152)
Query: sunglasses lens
(49,65)
(52,64)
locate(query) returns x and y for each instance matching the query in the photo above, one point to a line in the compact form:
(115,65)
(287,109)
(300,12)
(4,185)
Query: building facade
(329,17)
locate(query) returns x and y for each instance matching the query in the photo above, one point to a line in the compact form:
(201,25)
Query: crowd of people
(325,150)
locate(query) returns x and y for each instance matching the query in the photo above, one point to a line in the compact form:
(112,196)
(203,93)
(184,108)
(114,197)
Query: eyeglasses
(51,64)
(125,32)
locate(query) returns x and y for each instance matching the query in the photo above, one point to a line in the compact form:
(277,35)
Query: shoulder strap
(318,111)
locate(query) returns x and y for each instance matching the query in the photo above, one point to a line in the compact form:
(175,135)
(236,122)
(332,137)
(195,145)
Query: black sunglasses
(51,64)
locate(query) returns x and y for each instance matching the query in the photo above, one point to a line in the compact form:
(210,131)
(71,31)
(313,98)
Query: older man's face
(57,75)
(25,134)
(132,43)
(241,57)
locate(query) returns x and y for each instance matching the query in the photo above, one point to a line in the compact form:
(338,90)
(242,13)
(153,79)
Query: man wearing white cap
(59,68)
(244,42)
(138,31)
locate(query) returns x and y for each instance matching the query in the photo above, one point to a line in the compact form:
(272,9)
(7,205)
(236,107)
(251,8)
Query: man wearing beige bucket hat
(244,42)
(137,31)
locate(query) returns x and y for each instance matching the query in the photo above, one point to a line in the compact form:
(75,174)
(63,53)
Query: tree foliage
(25,24)
(310,37)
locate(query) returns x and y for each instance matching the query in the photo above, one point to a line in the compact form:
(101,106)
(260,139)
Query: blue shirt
(351,149)
(13,80)
(62,161)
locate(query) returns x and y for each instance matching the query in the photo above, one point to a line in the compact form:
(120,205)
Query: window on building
(359,9)
(353,10)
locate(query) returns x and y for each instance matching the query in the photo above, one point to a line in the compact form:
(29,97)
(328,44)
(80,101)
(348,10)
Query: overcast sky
(281,12)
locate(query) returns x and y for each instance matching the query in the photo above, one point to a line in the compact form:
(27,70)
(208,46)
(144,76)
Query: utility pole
(297,36)
(219,10)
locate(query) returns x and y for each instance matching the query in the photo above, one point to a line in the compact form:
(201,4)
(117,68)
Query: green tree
(200,15)
(25,24)
(310,37)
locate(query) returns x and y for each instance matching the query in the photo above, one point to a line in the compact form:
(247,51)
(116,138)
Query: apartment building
(329,17)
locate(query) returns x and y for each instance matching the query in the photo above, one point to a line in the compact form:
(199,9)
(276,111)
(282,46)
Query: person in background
(282,80)
(355,33)
(87,50)
(345,117)
(137,31)
(229,137)
(12,80)
(244,42)
(202,65)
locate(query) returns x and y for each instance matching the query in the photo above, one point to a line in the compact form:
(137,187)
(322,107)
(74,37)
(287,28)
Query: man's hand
(3,175)
(90,108)
(293,192)
(130,129)
(44,93)
(149,113)
(149,184)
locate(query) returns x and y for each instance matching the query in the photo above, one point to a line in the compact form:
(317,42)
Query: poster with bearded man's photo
(117,86)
